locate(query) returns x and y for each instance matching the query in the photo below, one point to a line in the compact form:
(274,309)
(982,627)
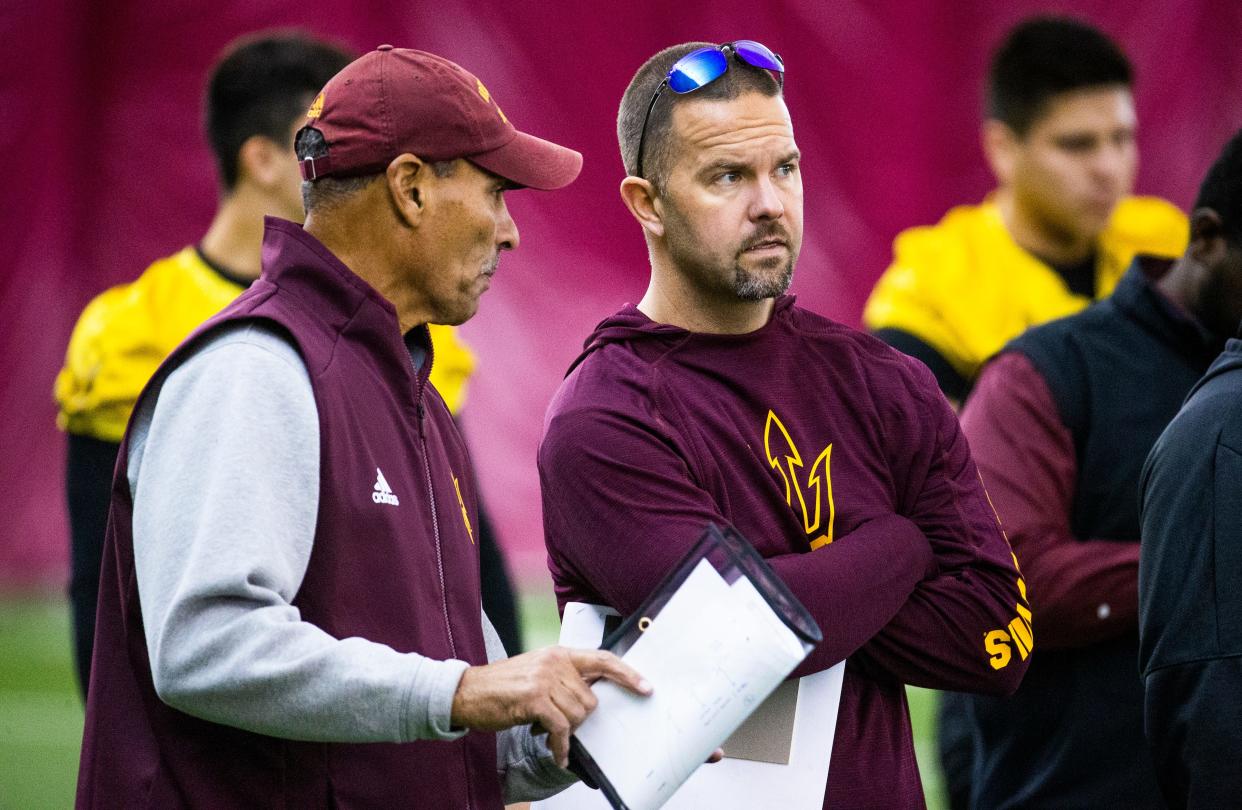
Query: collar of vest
(299,264)
(1137,297)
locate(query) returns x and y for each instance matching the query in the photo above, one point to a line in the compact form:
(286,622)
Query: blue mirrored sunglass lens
(697,69)
(758,55)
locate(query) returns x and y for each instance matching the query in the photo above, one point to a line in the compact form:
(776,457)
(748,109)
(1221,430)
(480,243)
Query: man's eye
(729,178)
(1077,144)
(786,170)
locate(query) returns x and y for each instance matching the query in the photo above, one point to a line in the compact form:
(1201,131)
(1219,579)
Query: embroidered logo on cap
(486,96)
(316,107)
(383,493)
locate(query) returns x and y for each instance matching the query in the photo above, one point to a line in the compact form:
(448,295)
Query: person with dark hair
(1190,563)
(289,611)
(1057,233)
(256,95)
(717,400)
(1060,228)
(261,86)
(1061,422)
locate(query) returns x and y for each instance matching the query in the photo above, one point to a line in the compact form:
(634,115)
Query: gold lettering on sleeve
(1017,633)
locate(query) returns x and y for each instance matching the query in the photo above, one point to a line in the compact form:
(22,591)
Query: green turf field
(41,717)
(40,714)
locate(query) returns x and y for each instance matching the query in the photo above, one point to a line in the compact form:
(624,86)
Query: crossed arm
(913,595)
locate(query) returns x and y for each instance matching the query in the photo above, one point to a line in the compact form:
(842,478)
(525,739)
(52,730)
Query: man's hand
(549,687)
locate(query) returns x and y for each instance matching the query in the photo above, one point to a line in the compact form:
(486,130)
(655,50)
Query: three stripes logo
(383,493)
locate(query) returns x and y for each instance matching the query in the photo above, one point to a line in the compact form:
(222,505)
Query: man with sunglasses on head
(289,610)
(717,400)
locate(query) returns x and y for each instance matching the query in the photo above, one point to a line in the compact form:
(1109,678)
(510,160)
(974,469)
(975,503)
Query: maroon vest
(396,566)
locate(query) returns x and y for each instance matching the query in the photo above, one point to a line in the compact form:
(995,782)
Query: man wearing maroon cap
(290,610)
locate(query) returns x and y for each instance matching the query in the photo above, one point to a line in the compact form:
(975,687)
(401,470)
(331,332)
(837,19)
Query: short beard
(751,287)
(744,285)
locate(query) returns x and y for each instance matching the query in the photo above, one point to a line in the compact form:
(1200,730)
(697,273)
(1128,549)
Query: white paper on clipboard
(732,783)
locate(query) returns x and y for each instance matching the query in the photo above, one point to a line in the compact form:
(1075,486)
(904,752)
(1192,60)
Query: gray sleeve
(528,771)
(224,471)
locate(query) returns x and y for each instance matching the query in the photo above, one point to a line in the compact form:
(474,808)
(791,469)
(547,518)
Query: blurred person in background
(1060,423)
(1190,565)
(256,97)
(1057,233)
(1060,228)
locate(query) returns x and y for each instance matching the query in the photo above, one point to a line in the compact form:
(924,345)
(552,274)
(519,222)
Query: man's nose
(1114,162)
(507,231)
(766,202)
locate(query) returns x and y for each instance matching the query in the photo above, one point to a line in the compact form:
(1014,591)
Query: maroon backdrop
(108,169)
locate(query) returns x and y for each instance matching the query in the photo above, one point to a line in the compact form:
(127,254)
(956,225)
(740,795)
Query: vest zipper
(435,528)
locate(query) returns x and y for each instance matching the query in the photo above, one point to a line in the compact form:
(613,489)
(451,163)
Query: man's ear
(262,161)
(408,187)
(645,205)
(1000,147)
(1207,237)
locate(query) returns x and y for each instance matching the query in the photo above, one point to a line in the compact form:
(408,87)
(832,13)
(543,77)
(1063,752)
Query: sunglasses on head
(704,66)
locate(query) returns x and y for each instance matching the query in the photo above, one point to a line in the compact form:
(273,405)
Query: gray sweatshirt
(224,473)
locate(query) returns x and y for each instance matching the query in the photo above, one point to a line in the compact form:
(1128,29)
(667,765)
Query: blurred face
(465,224)
(1074,164)
(732,203)
(268,173)
(287,182)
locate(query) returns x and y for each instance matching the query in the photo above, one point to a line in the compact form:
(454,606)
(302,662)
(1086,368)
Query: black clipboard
(733,557)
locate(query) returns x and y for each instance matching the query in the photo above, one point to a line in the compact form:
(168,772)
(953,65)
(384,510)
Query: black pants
(955,747)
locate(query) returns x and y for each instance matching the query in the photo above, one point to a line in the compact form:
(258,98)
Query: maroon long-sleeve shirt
(1084,592)
(837,457)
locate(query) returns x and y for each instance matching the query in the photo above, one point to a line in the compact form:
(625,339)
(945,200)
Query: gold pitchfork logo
(783,456)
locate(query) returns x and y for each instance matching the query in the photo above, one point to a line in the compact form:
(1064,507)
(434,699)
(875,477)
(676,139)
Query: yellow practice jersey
(126,332)
(965,288)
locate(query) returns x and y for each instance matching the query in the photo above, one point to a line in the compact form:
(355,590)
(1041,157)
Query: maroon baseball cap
(396,100)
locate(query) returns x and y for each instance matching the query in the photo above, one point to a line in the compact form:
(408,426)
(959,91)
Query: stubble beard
(752,286)
(729,277)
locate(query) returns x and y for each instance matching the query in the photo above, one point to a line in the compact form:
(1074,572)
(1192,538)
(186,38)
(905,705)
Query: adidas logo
(383,492)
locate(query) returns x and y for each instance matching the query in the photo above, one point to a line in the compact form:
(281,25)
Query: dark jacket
(1071,737)
(1190,593)
(406,577)
(838,458)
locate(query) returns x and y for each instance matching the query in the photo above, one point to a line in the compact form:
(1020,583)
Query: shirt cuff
(429,701)
(528,770)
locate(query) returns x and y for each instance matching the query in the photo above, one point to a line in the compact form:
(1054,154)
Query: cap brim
(532,162)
